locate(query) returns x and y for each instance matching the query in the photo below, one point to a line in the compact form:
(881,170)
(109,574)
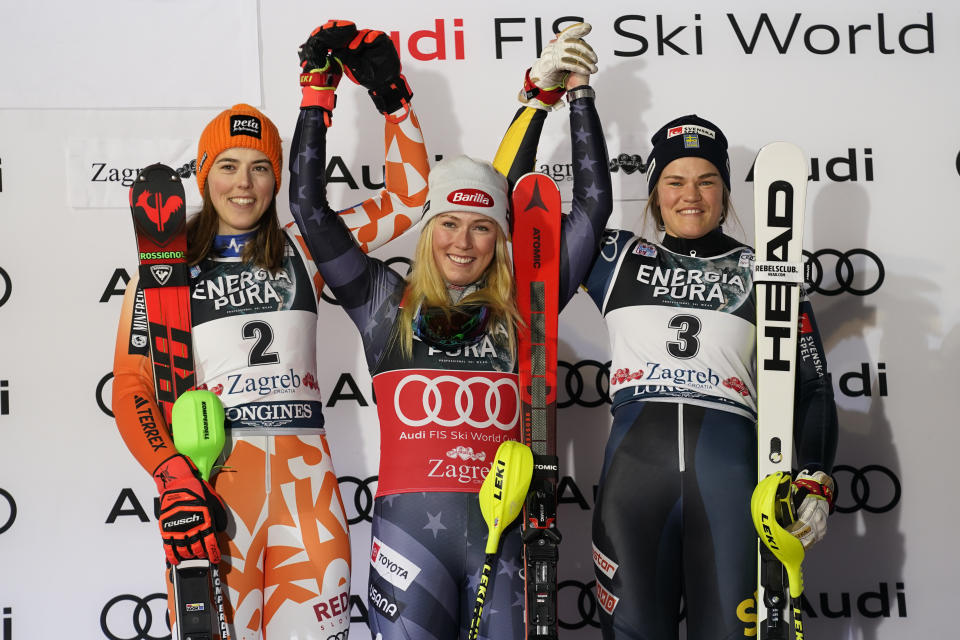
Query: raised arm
(366,288)
(370,59)
(565,66)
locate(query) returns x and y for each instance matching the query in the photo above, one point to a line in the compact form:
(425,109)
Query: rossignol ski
(536,263)
(780,185)
(158,205)
(159,220)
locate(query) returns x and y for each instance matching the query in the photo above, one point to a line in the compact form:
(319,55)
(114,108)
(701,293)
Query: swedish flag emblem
(691,141)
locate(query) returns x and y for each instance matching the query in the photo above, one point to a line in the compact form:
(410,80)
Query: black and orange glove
(370,59)
(320,74)
(190,511)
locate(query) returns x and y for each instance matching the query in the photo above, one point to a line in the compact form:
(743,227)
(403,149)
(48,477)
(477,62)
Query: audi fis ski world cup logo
(8,510)
(585,383)
(131,617)
(451,401)
(831,272)
(104,395)
(362,498)
(6,286)
(873,488)
(584,606)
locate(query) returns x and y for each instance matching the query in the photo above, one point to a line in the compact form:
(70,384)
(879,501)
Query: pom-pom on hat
(687,136)
(465,184)
(239,126)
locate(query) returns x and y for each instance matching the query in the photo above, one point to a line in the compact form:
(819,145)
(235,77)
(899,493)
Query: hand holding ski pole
(567,54)
(198,433)
(190,511)
(771,507)
(501,499)
(813,502)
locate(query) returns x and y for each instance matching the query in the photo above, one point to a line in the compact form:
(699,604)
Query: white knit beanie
(465,184)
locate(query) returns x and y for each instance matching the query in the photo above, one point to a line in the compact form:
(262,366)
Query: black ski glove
(369,59)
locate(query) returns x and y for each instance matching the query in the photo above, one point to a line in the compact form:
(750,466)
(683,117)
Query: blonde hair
(426,286)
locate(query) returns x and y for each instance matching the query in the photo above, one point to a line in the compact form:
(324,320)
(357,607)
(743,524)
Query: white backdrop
(90,93)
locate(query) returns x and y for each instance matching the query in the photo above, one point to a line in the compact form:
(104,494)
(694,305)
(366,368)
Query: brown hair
(265,249)
(652,210)
(425,285)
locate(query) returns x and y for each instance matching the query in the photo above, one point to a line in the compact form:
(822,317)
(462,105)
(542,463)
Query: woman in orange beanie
(274,511)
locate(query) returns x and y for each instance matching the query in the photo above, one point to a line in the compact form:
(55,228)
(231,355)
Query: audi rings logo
(342,635)
(6,286)
(389,262)
(103,394)
(7,521)
(831,272)
(129,617)
(586,383)
(362,498)
(586,595)
(449,401)
(873,488)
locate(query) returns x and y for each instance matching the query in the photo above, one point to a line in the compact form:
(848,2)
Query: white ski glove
(543,85)
(814,493)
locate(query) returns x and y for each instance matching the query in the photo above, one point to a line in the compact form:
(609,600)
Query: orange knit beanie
(239,126)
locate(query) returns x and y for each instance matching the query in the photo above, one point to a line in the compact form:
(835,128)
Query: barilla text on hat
(471,197)
(245,126)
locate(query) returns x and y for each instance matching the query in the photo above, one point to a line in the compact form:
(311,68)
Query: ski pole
(198,433)
(771,506)
(501,499)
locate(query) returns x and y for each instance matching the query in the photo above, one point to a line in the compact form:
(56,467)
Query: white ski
(780,185)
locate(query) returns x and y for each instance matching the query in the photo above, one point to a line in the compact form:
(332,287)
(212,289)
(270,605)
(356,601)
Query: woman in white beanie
(440,345)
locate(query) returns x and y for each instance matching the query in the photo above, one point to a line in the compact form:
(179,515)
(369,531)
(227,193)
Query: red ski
(159,220)
(536,264)
(159,209)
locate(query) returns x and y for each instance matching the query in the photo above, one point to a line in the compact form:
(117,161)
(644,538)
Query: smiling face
(690,195)
(463,245)
(241,183)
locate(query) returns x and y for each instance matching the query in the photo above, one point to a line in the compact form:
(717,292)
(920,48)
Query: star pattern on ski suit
(434,524)
(582,135)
